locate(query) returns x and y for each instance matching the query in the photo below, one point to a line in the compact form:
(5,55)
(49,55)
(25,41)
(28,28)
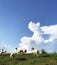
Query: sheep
(3,51)
(17,51)
(12,55)
(23,51)
(40,52)
(20,51)
(0,51)
(34,51)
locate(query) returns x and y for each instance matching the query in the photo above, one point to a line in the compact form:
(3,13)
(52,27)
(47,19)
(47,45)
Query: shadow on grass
(21,59)
(44,55)
(46,64)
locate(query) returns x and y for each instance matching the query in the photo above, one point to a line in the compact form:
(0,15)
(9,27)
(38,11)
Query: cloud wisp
(37,40)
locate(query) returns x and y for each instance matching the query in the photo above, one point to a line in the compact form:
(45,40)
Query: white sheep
(16,51)
(40,52)
(3,51)
(12,55)
(35,52)
(0,51)
(20,51)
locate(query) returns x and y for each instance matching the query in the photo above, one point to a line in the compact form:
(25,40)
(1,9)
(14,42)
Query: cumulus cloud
(49,29)
(52,31)
(37,40)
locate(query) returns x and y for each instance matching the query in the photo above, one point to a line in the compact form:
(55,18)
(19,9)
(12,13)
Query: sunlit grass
(29,59)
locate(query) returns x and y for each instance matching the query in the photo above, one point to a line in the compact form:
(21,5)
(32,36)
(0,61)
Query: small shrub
(44,52)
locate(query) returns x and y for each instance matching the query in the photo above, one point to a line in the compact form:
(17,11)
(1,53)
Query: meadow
(29,59)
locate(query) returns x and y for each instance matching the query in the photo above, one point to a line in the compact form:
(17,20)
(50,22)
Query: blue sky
(15,16)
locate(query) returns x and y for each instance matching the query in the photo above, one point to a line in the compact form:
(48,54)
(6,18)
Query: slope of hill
(29,59)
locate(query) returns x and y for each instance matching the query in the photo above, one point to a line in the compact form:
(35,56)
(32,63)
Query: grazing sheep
(16,51)
(40,52)
(23,51)
(20,51)
(34,51)
(0,51)
(3,51)
(11,56)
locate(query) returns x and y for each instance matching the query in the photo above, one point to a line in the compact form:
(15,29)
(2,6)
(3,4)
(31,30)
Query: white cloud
(37,40)
(49,29)
(33,27)
(52,31)
(37,33)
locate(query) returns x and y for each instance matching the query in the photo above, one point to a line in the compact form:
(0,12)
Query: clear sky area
(15,22)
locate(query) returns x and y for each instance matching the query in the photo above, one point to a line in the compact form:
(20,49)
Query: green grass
(29,59)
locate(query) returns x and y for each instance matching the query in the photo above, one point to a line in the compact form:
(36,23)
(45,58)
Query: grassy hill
(29,59)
